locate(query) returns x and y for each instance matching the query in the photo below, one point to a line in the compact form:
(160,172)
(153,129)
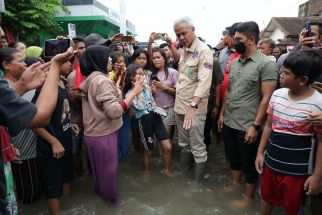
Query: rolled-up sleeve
(109,100)
(204,74)
(269,72)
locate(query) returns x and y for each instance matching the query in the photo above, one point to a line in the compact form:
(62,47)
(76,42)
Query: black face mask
(240,47)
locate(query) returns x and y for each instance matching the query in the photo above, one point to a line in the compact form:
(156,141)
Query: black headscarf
(95,58)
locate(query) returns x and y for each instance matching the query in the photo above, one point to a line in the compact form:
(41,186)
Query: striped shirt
(291,145)
(26,140)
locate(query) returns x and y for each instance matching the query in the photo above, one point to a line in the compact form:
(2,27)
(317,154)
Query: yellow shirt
(195,68)
(112,74)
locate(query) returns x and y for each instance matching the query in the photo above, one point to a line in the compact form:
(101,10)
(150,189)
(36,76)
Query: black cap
(95,39)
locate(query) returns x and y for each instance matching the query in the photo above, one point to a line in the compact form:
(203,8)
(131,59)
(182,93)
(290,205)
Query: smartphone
(308,28)
(155,78)
(54,47)
(162,36)
(71,30)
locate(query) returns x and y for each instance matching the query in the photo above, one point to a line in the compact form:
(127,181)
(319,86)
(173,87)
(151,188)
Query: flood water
(160,195)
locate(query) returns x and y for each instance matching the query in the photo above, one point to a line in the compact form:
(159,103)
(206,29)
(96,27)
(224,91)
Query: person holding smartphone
(305,41)
(164,81)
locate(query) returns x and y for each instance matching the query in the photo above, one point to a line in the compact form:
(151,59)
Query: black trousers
(208,127)
(241,155)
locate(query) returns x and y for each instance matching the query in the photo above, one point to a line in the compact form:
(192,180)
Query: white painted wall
(84,10)
(91,10)
(88,10)
(80,10)
(277,34)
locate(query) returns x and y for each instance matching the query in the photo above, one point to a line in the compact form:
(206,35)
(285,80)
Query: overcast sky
(210,17)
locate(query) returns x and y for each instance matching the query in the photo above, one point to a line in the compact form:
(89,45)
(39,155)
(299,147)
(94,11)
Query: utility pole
(122,17)
(2,7)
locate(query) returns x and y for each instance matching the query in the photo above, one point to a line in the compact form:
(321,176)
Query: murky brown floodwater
(160,196)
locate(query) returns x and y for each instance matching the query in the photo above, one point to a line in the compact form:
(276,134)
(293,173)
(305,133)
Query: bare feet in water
(120,201)
(231,187)
(167,173)
(242,203)
(146,176)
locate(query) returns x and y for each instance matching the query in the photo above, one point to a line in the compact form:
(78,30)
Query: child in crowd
(74,79)
(289,139)
(118,75)
(150,123)
(54,147)
(119,67)
(139,57)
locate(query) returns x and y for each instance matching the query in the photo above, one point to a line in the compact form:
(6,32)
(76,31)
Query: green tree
(26,18)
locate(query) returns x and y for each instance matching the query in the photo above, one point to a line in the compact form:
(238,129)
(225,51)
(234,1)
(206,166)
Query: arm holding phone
(309,38)
(159,85)
(174,50)
(153,36)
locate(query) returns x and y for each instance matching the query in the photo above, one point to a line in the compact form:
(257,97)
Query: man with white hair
(192,90)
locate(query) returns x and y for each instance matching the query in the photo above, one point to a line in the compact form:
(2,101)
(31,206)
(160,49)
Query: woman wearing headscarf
(34,51)
(102,116)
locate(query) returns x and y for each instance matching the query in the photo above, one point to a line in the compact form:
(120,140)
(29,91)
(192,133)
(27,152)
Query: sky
(210,17)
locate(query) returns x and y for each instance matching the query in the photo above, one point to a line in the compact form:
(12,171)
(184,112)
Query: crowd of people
(263,103)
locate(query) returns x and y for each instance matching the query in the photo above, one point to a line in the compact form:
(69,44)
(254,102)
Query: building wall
(89,10)
(277,34)
(303,9)
(93,8)
(81,10)
(310,8)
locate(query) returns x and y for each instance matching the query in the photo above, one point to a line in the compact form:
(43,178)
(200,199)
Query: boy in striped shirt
(289,139)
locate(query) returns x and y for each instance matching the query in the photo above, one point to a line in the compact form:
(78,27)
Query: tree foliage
(26,18)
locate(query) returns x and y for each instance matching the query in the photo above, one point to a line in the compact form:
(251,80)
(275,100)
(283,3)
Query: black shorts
(54,173)
(149,125)
(241,155)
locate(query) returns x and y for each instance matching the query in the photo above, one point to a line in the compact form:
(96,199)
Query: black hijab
(95,58)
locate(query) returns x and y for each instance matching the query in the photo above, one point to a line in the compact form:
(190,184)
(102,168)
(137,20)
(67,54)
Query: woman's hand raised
(138,86)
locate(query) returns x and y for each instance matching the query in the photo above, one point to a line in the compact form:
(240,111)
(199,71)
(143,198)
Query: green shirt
(245,78)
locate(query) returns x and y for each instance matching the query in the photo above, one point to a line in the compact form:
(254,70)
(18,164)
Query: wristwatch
(257,127)
(194,105)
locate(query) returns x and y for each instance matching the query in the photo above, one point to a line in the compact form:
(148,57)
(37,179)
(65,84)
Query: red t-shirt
(226,74)
(79,78)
